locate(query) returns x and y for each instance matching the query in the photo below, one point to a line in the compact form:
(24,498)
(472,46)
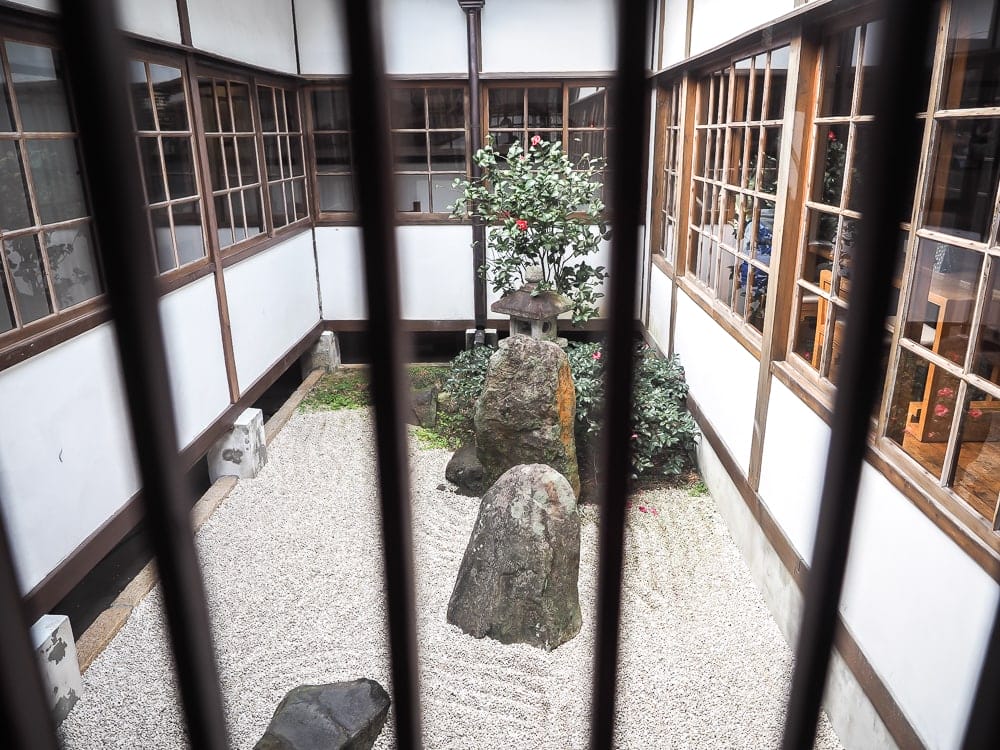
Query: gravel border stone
(293,567)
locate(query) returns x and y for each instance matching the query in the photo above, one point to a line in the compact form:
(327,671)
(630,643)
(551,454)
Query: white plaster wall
(272,304)
(660,290)
(322,38)
(425,36)
(68,465)
(716,21)
(153,18)
(549,36)
(341,273)
(436,272)
(722,375)
(674,32)
(794,460)
(193,338)
(920,608)
(258,32)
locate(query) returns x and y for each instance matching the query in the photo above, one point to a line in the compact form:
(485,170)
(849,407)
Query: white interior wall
(273,303)
(674,32)
(557,35)
(193,338)
(153,18)
(660,290)
(69,464)
(322,38)
(258,32)
(425,37)
(722,376)
(341,273)
(436,272)
(716,21)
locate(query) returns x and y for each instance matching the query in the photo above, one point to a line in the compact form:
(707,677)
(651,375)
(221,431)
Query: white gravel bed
(293,568)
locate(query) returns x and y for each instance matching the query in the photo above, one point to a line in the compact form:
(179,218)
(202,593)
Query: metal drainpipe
(472,9)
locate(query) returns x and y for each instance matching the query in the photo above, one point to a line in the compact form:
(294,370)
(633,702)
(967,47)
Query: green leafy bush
(463,386)
(664,433)
(543,210)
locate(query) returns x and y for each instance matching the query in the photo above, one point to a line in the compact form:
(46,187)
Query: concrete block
(489,337)
(241,452)
(52,639)
(324,355)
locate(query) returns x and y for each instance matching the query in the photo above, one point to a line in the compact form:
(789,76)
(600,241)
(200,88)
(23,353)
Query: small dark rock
(423,405)
(442,488)
(340,716)
(465,471)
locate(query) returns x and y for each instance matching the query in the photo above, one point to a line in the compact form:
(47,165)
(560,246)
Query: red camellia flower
(941,410)
(946,392)
(831,136)
(595,355)
(535,140)
(975,413)
(522,225)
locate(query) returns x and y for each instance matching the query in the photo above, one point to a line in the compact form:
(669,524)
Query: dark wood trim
(200,445)
(184,275)
(868,679)
(660,108)
(724,320)
(248,251)
(184,21)
(295,41)
(420,326)
(52,336)
(67,574)
(662,263)
(952,515)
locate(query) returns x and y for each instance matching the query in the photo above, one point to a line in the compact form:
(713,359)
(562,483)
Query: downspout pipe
(473,10)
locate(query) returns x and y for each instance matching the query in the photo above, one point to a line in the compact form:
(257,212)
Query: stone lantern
(533,313)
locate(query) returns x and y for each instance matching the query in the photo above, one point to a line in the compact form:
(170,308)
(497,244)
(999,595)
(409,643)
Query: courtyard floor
(293,567)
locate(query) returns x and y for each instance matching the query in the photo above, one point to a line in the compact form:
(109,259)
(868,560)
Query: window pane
(188,231)
(243,120)
(585,142)
(142,107)
(248,160)
(268,121)
(411,193)
(728,288)
(586,107)
(224,219)
(545,108)
(330,110)
(239,228)
(28,276)
(808,331)
(776,88)
(335,193)
(162,241)
(939,313)
(37,76)
(502,141)
(6,124)
(333,153)
(217,173)
(986,362)
(756,297)
(179,159)
(409,152)
(506,108)
(840,60)
(757,86)
(923,405)
(279,214)
(294,145)
(817,265)
(862,158)
(874,42)
(254,214)
(831,158)
(444,195)
(14,211)
(149,151)
(760,242)
(225,107)
(973,56)
(769,168)
(232,171)
(171,101)
(56,173)
(446,108)
(6,308)
(447,152)
(205,90)
(74,267)
(741,91)
(976,477)
(964,177)
(407,108)
(272,156)
(847,240)
(292,111)
(299,198)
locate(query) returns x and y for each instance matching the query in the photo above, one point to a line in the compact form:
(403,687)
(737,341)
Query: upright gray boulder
(518,579)
(340,716)
(526,412)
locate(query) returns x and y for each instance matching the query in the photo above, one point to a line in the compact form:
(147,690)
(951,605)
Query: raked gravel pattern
(292,563)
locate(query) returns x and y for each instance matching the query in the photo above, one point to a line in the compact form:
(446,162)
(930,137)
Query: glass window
(429,146)
(738,132)
(47,263)
(672,143)
(166,155)
(332,149)
(286,179)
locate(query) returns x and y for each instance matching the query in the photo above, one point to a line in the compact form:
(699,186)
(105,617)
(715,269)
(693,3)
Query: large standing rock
(518,580)
(526,411)
(341,716)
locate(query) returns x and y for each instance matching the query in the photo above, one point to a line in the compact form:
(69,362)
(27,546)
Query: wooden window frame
(186,272)
(668,171)
(25,339)
(282,137)
(322,216)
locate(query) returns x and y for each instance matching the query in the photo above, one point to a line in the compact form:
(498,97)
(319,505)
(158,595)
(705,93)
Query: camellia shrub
(541,210)
(664,433)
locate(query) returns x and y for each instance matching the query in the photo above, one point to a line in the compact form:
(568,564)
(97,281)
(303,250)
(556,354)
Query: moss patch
(430,440)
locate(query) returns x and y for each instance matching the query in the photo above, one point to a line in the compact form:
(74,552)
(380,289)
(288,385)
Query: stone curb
(101,632)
